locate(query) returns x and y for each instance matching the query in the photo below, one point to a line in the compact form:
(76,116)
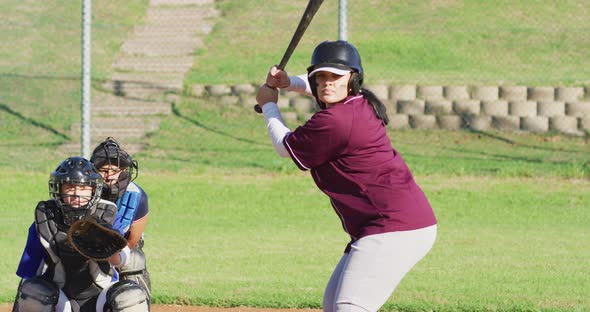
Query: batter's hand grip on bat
(281,66)
(258,109)
(310,10)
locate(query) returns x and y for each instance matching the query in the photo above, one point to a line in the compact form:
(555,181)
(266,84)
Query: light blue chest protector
(127,208)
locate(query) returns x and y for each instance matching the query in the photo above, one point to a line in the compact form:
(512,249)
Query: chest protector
(76,275)
(128,205)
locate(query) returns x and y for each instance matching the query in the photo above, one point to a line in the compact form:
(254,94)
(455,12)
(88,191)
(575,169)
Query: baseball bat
(310,10)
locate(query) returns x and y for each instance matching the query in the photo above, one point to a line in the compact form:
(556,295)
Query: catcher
(119,171)
(72,251)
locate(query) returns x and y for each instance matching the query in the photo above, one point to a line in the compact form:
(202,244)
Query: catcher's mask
(75,171)
(338,57)
(110,153)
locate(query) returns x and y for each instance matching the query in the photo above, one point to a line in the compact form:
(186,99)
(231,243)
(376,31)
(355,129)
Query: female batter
(346,148)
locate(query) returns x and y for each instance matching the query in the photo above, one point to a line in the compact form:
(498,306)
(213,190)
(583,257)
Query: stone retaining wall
(506,108)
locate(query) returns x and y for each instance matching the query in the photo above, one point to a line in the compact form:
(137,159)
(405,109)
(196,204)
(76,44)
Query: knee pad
(36,294)
(143,280)
(126,296)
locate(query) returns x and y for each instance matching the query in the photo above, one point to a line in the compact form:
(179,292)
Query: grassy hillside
(201,135)
(441,42)
(427,42)
(436,42)
(40,66)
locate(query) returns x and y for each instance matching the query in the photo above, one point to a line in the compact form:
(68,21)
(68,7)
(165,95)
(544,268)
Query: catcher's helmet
(110,153)
(77,171)
(340,55)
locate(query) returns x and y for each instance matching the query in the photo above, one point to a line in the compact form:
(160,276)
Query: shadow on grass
(177,113)
(41,77)
(33,122)
(500,157)
(518,144)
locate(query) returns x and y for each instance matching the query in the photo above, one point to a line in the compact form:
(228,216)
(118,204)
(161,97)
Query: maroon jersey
(352,161)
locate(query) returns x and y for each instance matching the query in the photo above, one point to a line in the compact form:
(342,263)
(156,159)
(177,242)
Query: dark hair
(378,106)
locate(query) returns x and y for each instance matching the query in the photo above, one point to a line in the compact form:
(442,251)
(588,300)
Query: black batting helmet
(339,55)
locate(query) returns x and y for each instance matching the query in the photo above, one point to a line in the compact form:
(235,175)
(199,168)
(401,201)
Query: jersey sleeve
(320,139)
(33,256)
(300,84)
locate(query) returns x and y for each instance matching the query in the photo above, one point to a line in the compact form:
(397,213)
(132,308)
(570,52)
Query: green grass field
(233,224)
(229,239)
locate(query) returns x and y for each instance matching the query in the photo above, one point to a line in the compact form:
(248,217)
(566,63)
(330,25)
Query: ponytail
(378,106)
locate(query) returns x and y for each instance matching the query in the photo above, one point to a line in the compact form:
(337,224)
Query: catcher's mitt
(94,239)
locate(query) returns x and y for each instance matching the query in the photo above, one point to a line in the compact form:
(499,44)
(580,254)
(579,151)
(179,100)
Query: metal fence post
(86,76)
(342,23)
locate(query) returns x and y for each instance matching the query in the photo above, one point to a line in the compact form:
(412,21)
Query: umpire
(119,170)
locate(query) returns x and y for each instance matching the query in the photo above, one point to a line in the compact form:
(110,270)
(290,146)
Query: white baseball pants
(365,277)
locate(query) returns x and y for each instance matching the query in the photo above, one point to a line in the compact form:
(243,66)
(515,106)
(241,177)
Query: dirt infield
(180,308)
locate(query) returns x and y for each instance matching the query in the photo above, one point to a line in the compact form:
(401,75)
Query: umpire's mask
(110,153)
